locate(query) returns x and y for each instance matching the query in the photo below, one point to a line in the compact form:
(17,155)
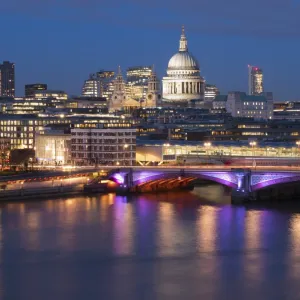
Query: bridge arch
(268,180)
(221,178)
(140,177)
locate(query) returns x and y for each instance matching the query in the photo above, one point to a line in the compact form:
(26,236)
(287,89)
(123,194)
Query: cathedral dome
(183,60)
(183,82)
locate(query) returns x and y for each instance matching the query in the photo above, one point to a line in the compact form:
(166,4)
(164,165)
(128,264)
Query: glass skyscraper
(7,79)
(256,83)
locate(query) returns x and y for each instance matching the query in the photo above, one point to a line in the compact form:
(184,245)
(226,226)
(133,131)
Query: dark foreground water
(167,246)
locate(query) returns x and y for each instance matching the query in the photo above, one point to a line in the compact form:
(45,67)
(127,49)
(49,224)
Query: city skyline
(102,44)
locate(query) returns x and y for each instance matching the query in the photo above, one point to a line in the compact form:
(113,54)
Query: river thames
(191,245)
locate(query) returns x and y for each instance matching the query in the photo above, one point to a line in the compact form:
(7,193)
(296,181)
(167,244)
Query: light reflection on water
(156,246)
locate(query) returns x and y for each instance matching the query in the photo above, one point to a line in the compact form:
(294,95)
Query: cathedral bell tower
(153,98)
(119,94)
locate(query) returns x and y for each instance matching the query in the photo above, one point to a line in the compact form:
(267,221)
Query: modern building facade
(239,104)
(53,147)
(256,82)
(99,84)
(92,86)
(31,89)
(21,130)
(104,145)
(50,94)
(183,82)
(210,93)
(7,79)
(106,83)
(137,81)
(149,152)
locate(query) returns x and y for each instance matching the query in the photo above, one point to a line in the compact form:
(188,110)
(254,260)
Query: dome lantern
(183,41)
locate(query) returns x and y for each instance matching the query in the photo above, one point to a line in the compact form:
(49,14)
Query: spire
(153,70)
(119,75)
(183,41)
(119,70)
(182,31)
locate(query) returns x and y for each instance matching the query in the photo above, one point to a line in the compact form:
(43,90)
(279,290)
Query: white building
(239,104)
(183,82)
(104,145)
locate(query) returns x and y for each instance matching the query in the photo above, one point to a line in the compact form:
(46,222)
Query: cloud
(262,18)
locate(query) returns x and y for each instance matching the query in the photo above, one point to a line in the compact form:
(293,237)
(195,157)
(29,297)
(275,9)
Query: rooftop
(221,98)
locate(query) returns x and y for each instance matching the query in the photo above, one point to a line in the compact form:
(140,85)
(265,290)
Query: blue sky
(60,42)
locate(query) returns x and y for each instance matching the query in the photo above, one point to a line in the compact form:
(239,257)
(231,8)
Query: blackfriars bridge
(245,183)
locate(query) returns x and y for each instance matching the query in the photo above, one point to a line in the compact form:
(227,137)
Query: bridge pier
(126,187)
(242,193)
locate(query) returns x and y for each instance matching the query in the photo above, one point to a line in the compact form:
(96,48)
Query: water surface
(191,245)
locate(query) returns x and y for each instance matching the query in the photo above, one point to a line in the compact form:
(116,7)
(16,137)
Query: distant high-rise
(91,86)
(99,84)
(106,83)
(256,83)
(7,79)
(210,93)
(137,80)
(30,89)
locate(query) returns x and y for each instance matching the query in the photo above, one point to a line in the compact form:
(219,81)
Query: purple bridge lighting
(243,182)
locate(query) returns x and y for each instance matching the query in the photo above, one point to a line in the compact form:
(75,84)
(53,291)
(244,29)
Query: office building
(104,145)
(219,102)
(239,104)
(51,94)
(256,82)
(53,146)
(7,79)
(183,82)
(21,129)
(137,81)
(211,91)
(91,86)
(106,83)
(99,84)
(30,89)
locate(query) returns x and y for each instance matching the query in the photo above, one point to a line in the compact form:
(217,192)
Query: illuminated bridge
(245,183)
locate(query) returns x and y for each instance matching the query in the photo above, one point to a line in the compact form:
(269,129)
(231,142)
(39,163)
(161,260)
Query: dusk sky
(60,42)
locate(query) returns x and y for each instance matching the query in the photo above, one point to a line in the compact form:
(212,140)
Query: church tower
(119,94)
(153,98)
